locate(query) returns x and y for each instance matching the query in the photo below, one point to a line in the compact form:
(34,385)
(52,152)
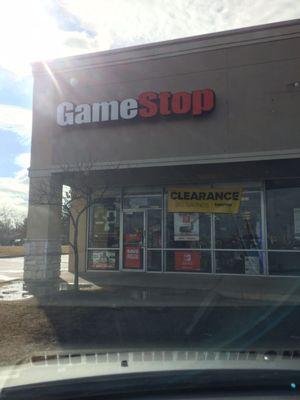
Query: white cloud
(23,160)
(16,119)
(118,22)
(29,32)
(14,190)
(14,194)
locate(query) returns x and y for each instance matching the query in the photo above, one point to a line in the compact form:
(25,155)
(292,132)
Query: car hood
(67,365)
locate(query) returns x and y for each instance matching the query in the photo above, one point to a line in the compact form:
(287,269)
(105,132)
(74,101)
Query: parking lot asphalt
(12,268)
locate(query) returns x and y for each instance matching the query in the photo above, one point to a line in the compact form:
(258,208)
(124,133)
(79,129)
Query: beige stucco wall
(257,107)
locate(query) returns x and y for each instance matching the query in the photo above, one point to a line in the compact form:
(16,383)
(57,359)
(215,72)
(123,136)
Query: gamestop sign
(147,105)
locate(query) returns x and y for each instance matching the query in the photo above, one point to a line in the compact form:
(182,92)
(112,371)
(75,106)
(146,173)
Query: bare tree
(10,224)
(79,194)
(79,197)
(20,230)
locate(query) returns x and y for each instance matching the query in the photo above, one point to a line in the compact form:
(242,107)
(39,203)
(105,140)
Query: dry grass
(75,321)
(24,329)
(11,251)
(29,327)
(65,249)
(19,251)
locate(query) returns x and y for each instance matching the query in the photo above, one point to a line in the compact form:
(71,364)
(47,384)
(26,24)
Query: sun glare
(28,33)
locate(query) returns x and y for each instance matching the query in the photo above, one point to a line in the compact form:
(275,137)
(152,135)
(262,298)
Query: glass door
(134,240)
(154,240)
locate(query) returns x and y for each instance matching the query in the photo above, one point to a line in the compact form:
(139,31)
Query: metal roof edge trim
(176,161)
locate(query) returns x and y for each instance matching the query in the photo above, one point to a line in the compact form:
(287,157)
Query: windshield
(149,188)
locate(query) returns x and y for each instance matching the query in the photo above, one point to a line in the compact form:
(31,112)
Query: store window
(227,242)
(284,263)
(104,231)
(239,262)
(157,240)
(188,233)
(188,230)
(144,202)
(237,235)
(103,260)
(283,217)
(188,261)
(244,229)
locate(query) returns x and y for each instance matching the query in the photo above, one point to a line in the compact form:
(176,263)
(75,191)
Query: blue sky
(13,143)
(43,29)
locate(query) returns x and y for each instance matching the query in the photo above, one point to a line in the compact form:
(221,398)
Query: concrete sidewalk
(258,288)
(172,289)
(211,290)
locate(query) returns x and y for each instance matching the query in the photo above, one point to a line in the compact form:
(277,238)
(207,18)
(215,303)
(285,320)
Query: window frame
(267,222)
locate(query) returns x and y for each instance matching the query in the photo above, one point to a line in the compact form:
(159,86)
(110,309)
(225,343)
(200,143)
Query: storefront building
(197,144)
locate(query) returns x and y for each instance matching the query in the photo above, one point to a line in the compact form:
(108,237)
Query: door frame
(144,246)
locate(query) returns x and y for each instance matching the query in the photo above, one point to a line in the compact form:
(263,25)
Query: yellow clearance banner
(217,200)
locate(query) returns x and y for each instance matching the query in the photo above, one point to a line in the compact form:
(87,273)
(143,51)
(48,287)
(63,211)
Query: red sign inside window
(187,260)
(133,237)
(132,257)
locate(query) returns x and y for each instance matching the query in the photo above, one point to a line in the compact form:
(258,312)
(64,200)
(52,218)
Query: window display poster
(252,265)
(187,260)
(106,219)
(132,257)
(216,200)
(297,222)
(186,226)
(104,259)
